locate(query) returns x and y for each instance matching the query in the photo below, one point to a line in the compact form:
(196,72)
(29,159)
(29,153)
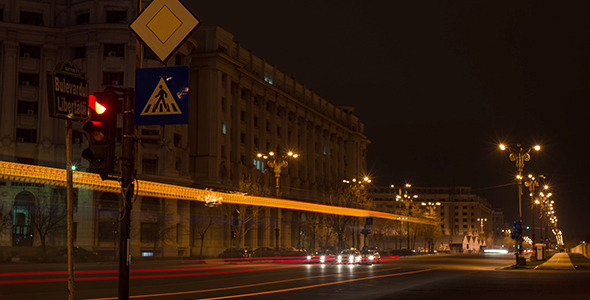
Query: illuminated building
(240,105)
(458,211)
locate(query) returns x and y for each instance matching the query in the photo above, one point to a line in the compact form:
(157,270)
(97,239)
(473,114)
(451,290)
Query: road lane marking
(239,286)
(314,286)
(139,276)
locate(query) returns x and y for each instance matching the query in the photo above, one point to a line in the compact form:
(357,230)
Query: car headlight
(309,257)
(339,258)
(351,258)
(322,258)
(371,257)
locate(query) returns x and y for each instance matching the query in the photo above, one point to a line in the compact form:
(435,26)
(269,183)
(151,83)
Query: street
(420,277)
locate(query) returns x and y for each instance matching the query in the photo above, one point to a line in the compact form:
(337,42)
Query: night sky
(440,83)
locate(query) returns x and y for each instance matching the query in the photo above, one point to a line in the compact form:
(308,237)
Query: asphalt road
(468,276)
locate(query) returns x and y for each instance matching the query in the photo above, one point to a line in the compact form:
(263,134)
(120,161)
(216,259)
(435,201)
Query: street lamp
(276,162)
(519,155)
(430,206)
(481,220)
(532,184)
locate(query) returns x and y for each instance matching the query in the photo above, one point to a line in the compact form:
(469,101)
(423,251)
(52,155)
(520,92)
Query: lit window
(223,128)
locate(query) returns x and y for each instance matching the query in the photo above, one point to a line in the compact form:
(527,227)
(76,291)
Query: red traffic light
(98,108)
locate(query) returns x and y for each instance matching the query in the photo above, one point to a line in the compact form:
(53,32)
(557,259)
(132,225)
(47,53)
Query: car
(322,257)
(373,256)
(349,256)
(81,254)
(265,252)
(235,254)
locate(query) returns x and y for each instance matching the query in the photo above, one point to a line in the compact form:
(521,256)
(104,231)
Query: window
(28,79)
(223,128)
(242,116)
(108,218)
(150,204)
(223,104)
(26,135)
(30,51)
(1,14)
(255,121)
(31,18)
(27,107)
(242,137)
(114,50)
(83,18)
(150,166)
(278,130)
(112,78)
(177,140)
(107,231)
(178,60)
(26,160)
(259,165)
(149,232)
(80,52)
(116,16)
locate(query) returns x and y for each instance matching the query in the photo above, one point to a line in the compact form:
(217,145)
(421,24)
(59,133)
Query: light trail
(141,276)
(240,286)
(83,180)
(315,285)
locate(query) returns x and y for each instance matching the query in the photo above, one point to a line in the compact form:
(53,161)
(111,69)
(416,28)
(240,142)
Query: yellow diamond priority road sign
(163,26)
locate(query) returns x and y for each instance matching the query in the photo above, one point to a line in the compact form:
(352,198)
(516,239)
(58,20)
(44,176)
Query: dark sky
(440,83)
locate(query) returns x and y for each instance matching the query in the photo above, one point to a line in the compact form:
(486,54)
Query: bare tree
(202,225)
(350,195)
(48,214)
(5,219)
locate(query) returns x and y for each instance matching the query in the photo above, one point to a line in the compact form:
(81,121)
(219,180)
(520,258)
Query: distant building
(239,105)
(458,208)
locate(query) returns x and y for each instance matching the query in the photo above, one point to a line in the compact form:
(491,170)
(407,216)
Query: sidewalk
(559,261)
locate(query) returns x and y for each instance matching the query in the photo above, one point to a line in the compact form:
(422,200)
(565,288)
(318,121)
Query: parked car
(265,252)
(349,256)
(81,254)
(235,254)
(322,257)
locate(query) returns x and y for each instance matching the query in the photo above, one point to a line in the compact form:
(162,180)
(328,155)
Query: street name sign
(163,26)
(161,96)
(67,92)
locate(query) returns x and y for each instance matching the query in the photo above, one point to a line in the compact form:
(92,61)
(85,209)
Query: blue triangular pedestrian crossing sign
(161,102)
(161,96)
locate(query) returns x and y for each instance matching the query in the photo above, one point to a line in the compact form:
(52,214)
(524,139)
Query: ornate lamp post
(519,155)
(481,220)
(408,200)
(276,161)
(532,184)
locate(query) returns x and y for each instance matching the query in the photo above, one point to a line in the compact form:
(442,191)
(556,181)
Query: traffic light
(101,130)
(366,231)
(234,234)
(517,231)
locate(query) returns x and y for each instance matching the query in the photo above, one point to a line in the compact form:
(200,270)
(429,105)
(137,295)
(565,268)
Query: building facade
(240,105)
(460,211)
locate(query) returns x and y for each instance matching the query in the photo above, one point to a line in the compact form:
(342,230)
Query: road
(422,277)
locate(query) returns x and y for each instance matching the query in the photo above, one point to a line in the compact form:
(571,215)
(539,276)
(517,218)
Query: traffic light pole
(127,186)
(70,209)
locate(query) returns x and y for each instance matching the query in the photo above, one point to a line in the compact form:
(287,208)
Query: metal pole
(127,172)
(70,209)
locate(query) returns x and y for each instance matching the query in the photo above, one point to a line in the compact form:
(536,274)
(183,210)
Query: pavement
(559,261)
